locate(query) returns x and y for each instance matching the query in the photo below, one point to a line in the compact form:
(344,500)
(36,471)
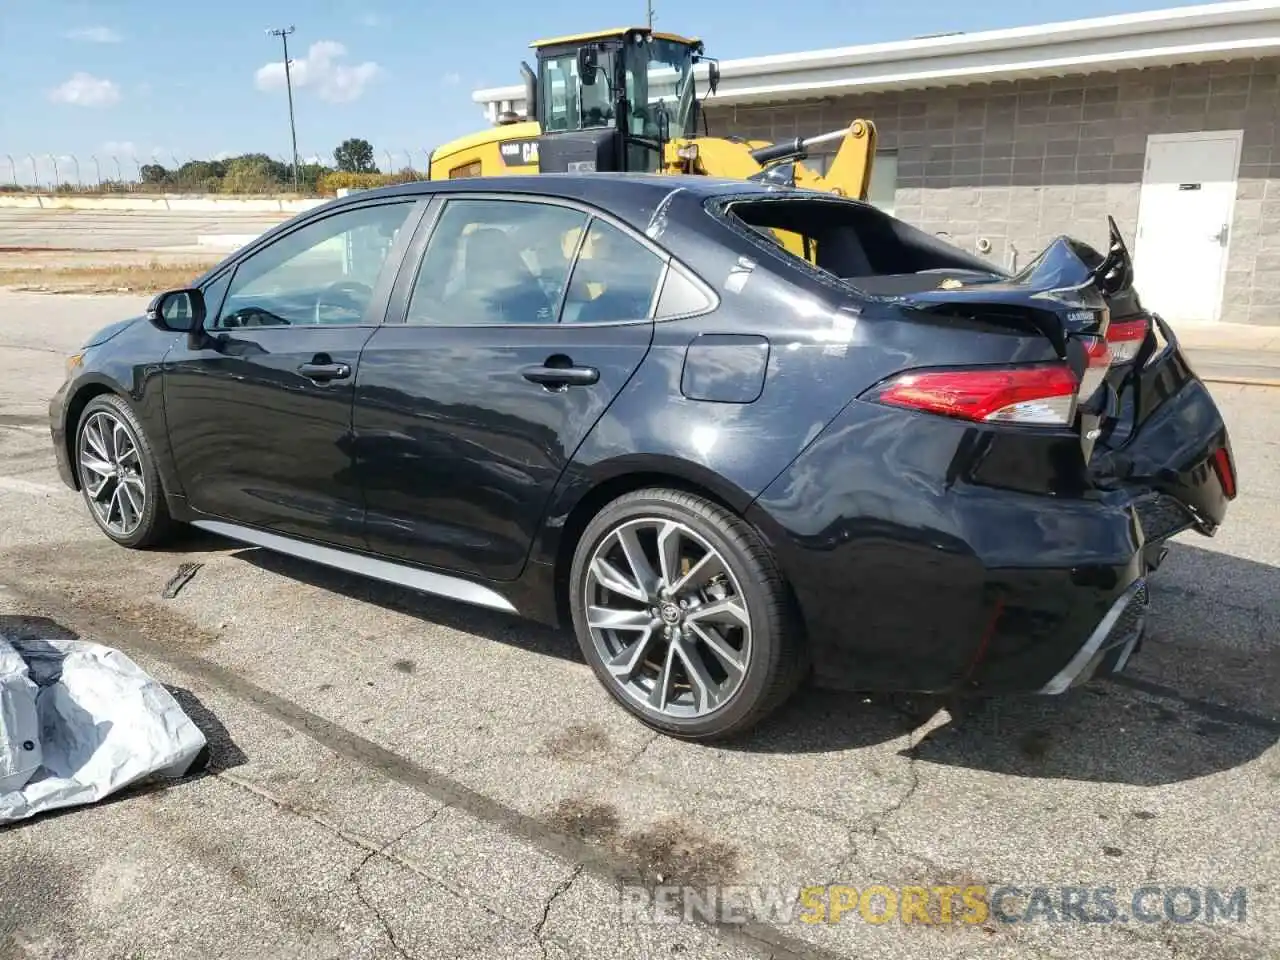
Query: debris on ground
(80,721)
(180,579)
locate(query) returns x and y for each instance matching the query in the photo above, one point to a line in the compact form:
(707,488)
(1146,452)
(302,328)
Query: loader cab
(610,101)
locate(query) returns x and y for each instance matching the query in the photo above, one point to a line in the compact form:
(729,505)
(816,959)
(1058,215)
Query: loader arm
(849,174)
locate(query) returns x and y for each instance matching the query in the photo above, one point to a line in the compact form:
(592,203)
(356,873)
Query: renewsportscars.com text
(969,905)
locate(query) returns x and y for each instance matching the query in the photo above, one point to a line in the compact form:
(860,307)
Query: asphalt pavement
(400,776)
(124,229)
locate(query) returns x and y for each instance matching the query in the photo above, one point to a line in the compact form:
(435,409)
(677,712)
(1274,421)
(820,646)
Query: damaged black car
(734,435)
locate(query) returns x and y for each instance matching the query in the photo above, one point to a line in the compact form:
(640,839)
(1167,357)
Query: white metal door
(1184,222)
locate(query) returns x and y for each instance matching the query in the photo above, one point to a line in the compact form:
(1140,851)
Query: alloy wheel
(111,473)
(667,617)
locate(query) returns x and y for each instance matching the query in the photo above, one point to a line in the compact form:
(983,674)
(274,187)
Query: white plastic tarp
(79,721)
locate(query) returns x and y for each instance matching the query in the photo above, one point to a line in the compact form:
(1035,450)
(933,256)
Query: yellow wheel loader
(626,100)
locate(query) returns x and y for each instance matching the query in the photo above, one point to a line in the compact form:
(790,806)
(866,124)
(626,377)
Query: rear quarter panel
(825,345)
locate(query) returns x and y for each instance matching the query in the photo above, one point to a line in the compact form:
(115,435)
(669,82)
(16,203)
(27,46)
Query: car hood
(109,331)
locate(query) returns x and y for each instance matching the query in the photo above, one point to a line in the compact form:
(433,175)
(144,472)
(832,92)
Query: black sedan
(735,434)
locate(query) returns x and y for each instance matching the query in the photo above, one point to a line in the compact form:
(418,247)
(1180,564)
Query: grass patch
(103,278)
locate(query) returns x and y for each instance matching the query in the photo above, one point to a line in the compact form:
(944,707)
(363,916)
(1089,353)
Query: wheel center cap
(670,612)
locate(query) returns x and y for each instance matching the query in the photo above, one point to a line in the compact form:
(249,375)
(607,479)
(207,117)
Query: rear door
(259,413)
(514,325)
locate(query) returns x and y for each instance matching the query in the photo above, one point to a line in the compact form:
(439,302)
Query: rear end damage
(1147,425)
(1031,499)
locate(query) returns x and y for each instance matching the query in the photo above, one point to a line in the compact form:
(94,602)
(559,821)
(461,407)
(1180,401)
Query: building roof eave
(1215,31)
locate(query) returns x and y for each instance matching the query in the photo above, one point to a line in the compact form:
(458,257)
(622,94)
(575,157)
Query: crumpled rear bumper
(1113,641)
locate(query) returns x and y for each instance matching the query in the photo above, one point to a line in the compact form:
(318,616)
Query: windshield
(660,80)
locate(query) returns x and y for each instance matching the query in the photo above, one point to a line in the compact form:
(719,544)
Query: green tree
(309,175)
(252,173)
(153,173)
(354,155)
(273,170)
(197,171)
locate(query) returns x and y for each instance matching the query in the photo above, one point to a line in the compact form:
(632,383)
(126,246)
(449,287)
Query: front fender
(111,367)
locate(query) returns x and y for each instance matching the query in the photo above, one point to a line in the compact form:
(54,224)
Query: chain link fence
(168,173)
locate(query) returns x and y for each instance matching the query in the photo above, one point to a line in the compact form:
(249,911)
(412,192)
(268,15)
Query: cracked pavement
(397,776)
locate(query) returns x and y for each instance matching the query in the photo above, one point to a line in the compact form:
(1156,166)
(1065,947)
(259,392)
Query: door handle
(567,376)
(325,371)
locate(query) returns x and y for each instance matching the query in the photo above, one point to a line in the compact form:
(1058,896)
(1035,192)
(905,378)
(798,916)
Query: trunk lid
(1147,424)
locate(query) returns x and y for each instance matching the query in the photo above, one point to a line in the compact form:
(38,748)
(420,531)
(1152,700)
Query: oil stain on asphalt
(668,851)
(577,741)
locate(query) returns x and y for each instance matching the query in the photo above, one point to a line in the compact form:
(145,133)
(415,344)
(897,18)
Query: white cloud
(95,35)
(321,70)
(122,147)
(86,90)
(451,79)
(223,155)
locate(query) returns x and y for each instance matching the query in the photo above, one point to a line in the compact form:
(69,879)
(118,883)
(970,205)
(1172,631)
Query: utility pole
(649,9)
(283,34)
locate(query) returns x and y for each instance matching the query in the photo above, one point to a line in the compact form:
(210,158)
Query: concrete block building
(1000,140)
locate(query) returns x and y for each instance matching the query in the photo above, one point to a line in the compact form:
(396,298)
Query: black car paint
(262,442)
(939,555)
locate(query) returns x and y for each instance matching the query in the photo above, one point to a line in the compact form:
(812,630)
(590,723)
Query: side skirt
(400,574)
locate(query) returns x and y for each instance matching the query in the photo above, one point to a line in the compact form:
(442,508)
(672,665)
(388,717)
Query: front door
(510,347)
(259,414)
(1184,223)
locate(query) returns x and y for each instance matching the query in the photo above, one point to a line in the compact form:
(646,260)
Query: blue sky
(144,78)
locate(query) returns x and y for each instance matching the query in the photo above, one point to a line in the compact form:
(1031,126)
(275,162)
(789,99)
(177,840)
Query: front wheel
(682,613)
(118,475)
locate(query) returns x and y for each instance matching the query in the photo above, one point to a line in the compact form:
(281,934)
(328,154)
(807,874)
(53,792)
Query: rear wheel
(682,613)
(118,476)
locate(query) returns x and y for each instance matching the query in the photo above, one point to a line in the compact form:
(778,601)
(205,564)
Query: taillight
(1041,394)
(1098,358)
(1125,338)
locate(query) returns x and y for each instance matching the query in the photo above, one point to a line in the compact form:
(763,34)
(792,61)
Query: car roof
(632,197)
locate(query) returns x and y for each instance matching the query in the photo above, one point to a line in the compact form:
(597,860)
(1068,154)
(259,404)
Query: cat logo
(519,152)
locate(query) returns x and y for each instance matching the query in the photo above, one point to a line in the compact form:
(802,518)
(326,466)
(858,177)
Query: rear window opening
(856,243)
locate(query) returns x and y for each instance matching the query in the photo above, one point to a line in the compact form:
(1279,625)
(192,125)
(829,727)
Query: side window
(495,261)
(614,278)
(681,297)
(324,273)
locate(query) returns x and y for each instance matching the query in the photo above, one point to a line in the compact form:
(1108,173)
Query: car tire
(758,661)
(127,502)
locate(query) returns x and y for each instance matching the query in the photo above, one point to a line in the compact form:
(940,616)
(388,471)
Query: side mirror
(177,311)
(588,63)
(713,76)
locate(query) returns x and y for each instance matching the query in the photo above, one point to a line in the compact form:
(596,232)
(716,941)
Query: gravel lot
(398,776)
